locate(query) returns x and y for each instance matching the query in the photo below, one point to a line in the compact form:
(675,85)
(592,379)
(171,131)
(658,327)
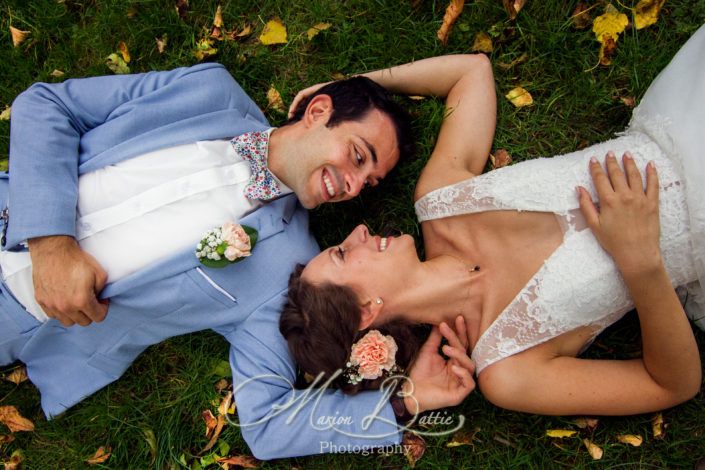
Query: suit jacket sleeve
(279,421)
(53,124)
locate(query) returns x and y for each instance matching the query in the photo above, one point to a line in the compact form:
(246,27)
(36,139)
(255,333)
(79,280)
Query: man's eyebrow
(371,149)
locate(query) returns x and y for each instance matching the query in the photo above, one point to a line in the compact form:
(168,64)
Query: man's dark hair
(353,98)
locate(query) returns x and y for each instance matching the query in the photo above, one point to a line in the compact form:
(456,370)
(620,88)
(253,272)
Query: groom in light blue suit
(63,132)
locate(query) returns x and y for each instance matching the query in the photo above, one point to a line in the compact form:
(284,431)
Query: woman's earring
(378,301)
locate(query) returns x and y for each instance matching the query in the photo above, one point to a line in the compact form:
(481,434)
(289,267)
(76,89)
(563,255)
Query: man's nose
(353,184)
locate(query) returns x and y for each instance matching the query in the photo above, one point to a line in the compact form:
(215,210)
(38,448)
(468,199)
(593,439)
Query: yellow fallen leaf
(501,158)
(274,33)
(315,29)
(18,36)
(122,47)
(151,442)
(519,97)
(218,18)
(226,404)
(607,28)
(580,17)
(453,11)
(560,433)
(57,73)
(337,76)
(117,64)
(18,375)
(646,13)
(513,7)
(274,99)
(244,461)
(243,33)
(630,439)
(593,449)
(161,43)
(657,426)
(101,456)
(414,447)
(463,438)
(482,43)
(5,114)
(10,417)
(15,462)
(583,423)
(204,49)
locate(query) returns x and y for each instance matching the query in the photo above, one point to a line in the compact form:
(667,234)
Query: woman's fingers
(461,358)
(616,175)
(632,172)
(467,383)
(433,341)
(652,183)
(587,207)
(451,336)
(462,330)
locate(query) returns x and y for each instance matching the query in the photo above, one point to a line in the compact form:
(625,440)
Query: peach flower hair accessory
(371,357)
(225,245)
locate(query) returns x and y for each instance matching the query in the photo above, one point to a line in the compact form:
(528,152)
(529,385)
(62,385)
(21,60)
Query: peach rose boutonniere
(371,357)
(225,245)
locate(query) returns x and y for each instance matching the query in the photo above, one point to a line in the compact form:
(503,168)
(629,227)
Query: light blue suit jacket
(59,131)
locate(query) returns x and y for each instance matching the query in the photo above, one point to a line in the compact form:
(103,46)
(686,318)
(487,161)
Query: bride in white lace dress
(534,269)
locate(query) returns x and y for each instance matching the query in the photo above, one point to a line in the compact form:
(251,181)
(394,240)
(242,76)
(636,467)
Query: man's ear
(318,110)
(369,312)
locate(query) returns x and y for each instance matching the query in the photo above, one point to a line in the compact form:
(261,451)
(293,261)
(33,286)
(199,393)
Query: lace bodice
(578,285)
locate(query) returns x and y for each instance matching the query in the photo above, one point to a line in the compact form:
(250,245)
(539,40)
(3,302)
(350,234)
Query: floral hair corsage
(371,357)
(225,245)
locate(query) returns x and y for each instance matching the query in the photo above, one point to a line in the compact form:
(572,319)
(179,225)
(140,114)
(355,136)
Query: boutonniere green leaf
(225,245)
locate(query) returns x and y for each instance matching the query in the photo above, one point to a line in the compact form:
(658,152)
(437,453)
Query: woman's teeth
(329,186)
(382,244)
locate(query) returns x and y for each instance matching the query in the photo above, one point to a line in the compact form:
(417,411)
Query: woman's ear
(369,312)
(318,110)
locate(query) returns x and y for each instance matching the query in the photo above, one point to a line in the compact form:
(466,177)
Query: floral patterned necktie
(253,147)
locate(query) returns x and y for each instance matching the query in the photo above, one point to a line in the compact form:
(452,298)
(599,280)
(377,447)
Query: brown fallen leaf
(17,376)
(5,114)
(646,13)
(210,421)
(6,439)
(204,49)
(414,447)
(453,11)
(218,18)
(482,43)
(274,100)
(463,437)
(122,47)
(220,422)
(580,17)
(315,29)
(226,405)
(590,423)
(235,35)
(517,61)
(593,449)
(57,73)
(501,158)
(657,426)
(513,7)
(182,8)
(18,36)
(221,385)
(274,33)
(519,97)
(629,101)
(244,461)
(560,433)
(101,456)
(161,43)
(15,462)
(10,417)
(608,47)
(630,439)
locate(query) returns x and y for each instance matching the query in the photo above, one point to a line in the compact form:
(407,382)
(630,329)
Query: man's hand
(67,280)
(302,95)
(435,382)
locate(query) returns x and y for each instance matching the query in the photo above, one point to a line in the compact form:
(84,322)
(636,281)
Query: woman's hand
(302,95)
(627,223)
(435,382)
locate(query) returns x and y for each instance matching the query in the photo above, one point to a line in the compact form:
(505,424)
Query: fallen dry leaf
(221,385)
(151,442)
(10,417)
(590,423)
(6,439)
(560,433)
(15,462)
(509,65)
(513,7)
(211,422)
(204,49)
(220,422)
(607,28)
(463,437)
(122,47)
(315,29)
(500,159)
(116,64)
(646,13)
(244,32)
(5,114)
(274,99)
(593,449)
(657,426)
(218,18)
(628,101)
(101,455)
(482,43)
(580,17)
(244,461)
(182,8)
(18,375)
(337,76)
(414,447)
(226,405)
(630,439)
(453,11)
(131,12)
(274,33)
(161,43)
(18,36)
(519,97)
(57,73)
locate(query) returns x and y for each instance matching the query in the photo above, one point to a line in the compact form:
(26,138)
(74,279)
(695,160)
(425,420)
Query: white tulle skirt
(672,113)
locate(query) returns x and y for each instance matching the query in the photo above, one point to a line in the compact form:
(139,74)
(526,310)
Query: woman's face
(373,266)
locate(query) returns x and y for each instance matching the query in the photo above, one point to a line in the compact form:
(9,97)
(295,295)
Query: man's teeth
(329,186)
(382,244)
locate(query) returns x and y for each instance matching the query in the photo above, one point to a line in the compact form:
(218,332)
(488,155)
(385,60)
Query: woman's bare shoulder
(437,174)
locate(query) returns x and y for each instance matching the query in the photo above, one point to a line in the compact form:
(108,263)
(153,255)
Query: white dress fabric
(579,284)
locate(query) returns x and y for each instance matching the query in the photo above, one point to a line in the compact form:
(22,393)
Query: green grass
(576,104)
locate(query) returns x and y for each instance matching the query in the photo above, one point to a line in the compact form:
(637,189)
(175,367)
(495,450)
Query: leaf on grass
(519,97)
(581,18)
(117,64)
(57,73)
(315,29)
(463,437)
(18,375)
(590,423)
(453,11)
(482,43)
(226,405)
(244,461)
(217,30)
(161,43)
(560,433)
(220,422)
(646,13)
(243,33)
(607,28)
(18,36)
(101,456)
(513,7)
(151,442)
(629,101)
(6,439)
(414,447)
(517,61)
(630,439)
(657,426)
(122,47)
(221,385)
(501,158)
(10,417)
(337,76)
(274,33)
(182,8)
(204,49)
(5,114)
(222,369)
(211,422)
(593,449)
(15,462)
(131,12)
(274,100)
